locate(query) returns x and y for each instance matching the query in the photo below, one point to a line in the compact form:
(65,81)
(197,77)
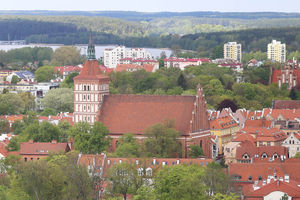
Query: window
(149,171)
(268,143)
(140,171)
(264,155)
(84,87)
(83,97)
(25,159)
(250,178)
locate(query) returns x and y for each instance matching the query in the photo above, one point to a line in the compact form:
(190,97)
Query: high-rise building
(112,57)
(277,51)
(232,50)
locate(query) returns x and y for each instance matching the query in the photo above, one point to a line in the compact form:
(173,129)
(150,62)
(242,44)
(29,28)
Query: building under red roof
(133,67)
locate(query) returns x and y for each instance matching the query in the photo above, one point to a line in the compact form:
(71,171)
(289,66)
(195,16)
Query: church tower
(89,88)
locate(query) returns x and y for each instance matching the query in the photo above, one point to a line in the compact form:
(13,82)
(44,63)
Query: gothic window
(83,97)
(88,108)
(149,171)
(88,88)
(88,97)
(84,87)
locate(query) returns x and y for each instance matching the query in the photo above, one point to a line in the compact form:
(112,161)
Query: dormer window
(246,156)
(250,178)
(264,155)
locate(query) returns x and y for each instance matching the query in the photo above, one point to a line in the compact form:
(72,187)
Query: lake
(99,49)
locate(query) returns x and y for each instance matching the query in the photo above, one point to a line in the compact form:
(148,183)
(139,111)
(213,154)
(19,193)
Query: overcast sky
(154,5)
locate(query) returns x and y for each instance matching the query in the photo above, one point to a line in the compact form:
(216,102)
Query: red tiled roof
(135,113)
(172,59)
(286,104)
(91,70)
(42,148)
(286,187)
(130,67)
(223,123)
(241,137)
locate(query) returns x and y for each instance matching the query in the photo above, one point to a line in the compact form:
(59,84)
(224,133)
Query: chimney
(54,142)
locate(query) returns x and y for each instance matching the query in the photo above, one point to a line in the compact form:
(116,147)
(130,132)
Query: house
(135,113)
(27,76)
(182,63)
(36,150)
(140,61)
(286,104)
(98,165)
(225,128)
(134,67)
(266,180)
(66,70)
(292,142)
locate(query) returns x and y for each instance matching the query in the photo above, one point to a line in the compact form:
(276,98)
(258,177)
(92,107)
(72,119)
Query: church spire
(91,49)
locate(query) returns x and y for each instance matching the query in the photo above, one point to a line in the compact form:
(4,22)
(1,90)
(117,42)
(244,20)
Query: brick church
(125,113)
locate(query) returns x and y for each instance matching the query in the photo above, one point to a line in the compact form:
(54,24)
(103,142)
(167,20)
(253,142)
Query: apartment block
(277,51)
(233,50)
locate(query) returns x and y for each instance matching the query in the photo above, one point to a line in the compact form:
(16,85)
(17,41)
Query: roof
(42,148)
(172,59)
(24,74)
(286,187)
(90,71)
(286,104)
(135,113)
(223,123)
(133,67)
(251,150)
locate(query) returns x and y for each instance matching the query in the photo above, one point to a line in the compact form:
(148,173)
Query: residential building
(123,114)
(182,63)
(36,150)
(286,104)
(133,67)
(225,128)
(26,76)
(233,50)
(267,179)
(277,51)
(292,142)
(64,71)
(112,57)
(140,61)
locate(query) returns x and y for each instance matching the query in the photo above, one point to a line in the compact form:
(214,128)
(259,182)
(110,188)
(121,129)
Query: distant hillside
(141,16)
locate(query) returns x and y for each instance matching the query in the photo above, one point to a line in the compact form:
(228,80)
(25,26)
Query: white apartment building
(232,50)
(112,56)
(277,51)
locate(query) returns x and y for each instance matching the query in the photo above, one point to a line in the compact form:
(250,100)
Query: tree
(4,126)
(17,127)
(61,100)
(44,74)
(294,94)
(220,196)
(145,193)
(68,82)
(215,179)
(127,147)
(217,52)
(123,179)
(162,140)
(284,197)
(89,139)
(227,104)
(15,79)
(182,82)
(46,132)
(66,55)
(297,155)
(28,99)
(182,182)
(196,151)
(11,104)
(48,111)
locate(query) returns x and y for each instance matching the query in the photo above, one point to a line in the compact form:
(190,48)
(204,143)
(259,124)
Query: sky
(155,5)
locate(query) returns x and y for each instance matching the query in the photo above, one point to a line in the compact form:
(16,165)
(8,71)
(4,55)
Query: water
(99,49)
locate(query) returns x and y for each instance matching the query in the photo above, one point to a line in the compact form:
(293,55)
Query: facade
(292,142)
(225,128)
(133,67)
(182,63)
(89,88)
(277,51)
(112,57)
(26,76)
(36,150)
(289,76)
(140,61)
(233,50)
